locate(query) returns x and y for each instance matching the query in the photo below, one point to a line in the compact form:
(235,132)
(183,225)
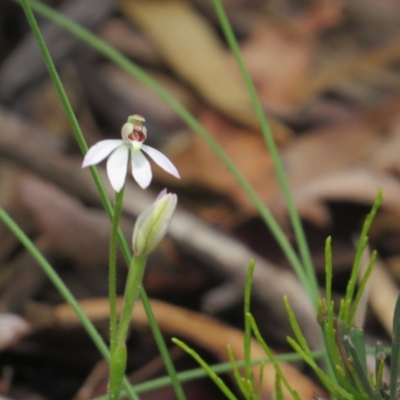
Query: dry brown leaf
(192,49)
(200,329)
(21,277)
(329,149)
(98,377)
(321,16)
(200,166)
(9,201)
(43,107)
(309,158)
(359,185)
(386,157)
(360,64)
(340,162)
(80,234)
(118,34)
(383,295)
(130,92)
(279,61)
(382,15)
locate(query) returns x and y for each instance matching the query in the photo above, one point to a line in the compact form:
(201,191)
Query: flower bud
(152,224)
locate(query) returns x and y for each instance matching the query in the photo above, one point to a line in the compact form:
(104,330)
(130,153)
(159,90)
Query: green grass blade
(260,380)
(215,378)
(247,327)
(356,343)
(295,326)
(329,384)
(240,381)
(278,388)
(362,243)
(271,357)
(312,287)
(361,288)
(328,333)
(328,270)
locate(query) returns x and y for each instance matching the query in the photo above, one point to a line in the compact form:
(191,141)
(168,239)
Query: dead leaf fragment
(80,234)
(279,61)
(200,166)
(359,185)
(383,295)
(362,64)
(192,49)
(12,327)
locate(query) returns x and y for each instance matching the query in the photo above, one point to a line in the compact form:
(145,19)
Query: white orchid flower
(133,134)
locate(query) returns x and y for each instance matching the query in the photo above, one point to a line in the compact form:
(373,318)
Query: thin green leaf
(362,243)
(247,328)
(328,333)
(353,381)
(328,270)
(215,378)
(278,388)
(366,390)
(330,385)
(357,340)
(238,378)
(312,285)
(361,288)
(271,356)
(295,326)
(260,380)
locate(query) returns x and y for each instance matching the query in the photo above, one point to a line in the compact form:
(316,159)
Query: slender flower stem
(119,353)
(112,272)
(117,371)
(132,289)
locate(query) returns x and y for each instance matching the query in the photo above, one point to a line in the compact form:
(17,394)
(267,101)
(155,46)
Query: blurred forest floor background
(328,76)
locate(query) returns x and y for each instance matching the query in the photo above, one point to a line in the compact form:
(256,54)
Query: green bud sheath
(152,224)
(117,371)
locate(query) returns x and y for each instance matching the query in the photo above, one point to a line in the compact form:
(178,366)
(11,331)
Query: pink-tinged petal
(162,194)
(161,160)
(100,151)
(117,165)
(141,169)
